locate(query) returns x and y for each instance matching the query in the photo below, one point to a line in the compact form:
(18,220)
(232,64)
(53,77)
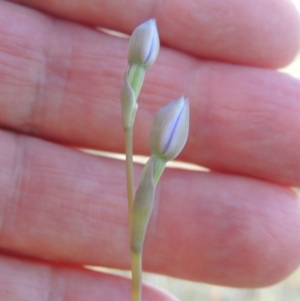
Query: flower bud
(144,44)
(170,129)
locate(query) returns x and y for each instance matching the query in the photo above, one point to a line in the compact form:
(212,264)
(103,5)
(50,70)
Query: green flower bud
(170,129)
(144,44)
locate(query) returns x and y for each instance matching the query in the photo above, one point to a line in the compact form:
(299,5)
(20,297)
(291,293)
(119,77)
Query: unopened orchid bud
(142,207)
(144,44)
(170,129)
(128,103)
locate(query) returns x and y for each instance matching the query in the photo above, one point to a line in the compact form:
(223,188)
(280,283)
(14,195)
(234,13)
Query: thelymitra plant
(167,138)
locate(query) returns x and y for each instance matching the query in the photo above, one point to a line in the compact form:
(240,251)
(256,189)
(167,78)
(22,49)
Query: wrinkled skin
(61,208)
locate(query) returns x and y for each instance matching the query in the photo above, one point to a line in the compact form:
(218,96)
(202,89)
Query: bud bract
(135,76)
(144,44)
(142,207)
(170,129)
(128,103)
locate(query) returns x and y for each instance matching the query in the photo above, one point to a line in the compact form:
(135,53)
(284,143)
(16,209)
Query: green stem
(129,172)
(136,266)
(136,76)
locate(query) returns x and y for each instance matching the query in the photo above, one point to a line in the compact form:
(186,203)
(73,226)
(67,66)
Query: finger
(262,33)
(64,85)
(66,206)
(35,281)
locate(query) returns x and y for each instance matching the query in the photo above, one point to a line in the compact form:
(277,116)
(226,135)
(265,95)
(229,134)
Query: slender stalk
(136,261)
(129,172)
(136,258)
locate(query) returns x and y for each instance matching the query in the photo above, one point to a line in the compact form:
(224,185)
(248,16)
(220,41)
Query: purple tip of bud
(170,129)
(144,44)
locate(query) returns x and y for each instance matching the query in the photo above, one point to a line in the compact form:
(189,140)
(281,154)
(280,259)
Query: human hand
(62,209)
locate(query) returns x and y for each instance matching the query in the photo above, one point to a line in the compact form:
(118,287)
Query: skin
(61,208)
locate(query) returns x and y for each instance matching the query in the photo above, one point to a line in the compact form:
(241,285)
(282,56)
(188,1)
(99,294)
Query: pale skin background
(61,208)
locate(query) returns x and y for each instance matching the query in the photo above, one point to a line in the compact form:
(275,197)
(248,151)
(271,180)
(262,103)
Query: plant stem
(136,258)
(136,261)
(129,173)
